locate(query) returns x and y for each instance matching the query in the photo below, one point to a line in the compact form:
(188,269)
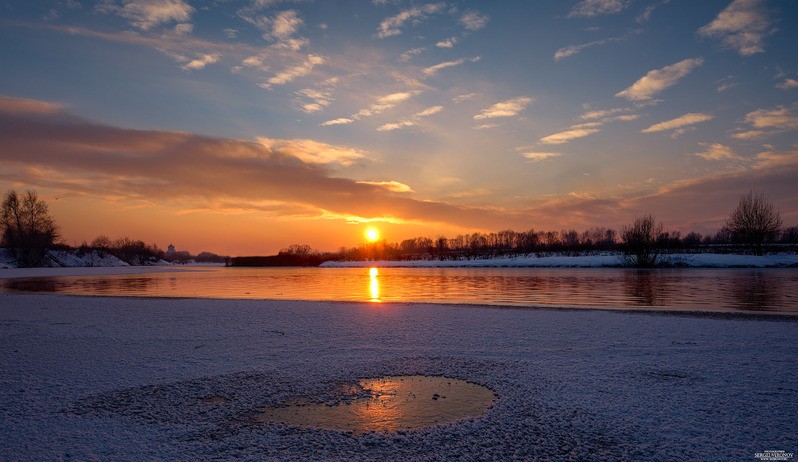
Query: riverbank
(137,379)
(687,260)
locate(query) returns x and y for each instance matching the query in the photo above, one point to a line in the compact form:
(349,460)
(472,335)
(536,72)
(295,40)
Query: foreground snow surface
(132,379)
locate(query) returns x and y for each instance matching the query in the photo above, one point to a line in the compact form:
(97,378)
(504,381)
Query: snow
(94,378)
(701,260)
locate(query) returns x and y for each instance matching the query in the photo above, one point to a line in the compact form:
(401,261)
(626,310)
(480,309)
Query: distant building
(170,251)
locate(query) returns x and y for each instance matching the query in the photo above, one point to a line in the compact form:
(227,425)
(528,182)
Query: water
(761,290)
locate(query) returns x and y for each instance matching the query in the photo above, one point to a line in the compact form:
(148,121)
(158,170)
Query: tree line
(754,226)
(28,232)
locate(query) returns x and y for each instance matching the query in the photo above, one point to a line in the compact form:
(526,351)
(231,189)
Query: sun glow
(372,234)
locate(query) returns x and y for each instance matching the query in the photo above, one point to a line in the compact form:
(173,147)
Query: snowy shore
(129,379)
(700,260)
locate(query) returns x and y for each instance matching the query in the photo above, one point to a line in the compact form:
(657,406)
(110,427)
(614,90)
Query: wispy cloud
(568,135)
(767,122)
(292,73)
(408,55)
(691,118)
(432,70)
(464,97)
(202,61)
(506,108)
(313,152)
(473,20)
(534,156)
(413,120)
(383,103)
(742,26)
(338,121)
(391,26)
(28,106)
(146,14)
(571,50)
(659,79)
(590,8)
(717,151)
(447,43)
(393,186)
(787,84)
(320,96)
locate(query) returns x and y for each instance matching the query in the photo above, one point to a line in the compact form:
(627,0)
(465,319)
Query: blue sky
(424,118)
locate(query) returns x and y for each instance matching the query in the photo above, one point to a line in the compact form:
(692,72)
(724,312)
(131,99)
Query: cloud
(407,55)
(313,152)
(202,61)
(393,186)
(590,8)
(507,108)
(779,118)
(55,150)
(679,122)
(447,43)
(382,104)
(538,156)
(429,111)
(22,106)
(473,20)
(285,24)
(767,122)
(464,97)
(395,125)
(292,73)
(717,151)
(432,70)
(742,26)
(659,79)
(391,26)
(320,96)
(568,135)
(338,121)
(571,50)
(146,14)
(598,114)
(412,121)
(788,84)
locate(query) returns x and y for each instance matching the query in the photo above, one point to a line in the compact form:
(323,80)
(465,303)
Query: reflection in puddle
(389,404)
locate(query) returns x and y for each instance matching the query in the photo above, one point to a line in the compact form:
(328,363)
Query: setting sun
(372,234)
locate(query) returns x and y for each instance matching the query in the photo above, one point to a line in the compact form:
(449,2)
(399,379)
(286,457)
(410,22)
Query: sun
(372,234)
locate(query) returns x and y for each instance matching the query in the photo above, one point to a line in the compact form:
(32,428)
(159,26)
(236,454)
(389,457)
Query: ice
(93,378)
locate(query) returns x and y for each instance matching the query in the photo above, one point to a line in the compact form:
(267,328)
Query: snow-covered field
(124,379)
(700,260)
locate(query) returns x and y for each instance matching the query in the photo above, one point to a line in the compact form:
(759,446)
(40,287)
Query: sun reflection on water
(374,285)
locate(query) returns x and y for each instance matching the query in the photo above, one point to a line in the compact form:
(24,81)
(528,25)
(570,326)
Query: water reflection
(756,292)
(389,404)
(677,289)
(374,285)
(645,288)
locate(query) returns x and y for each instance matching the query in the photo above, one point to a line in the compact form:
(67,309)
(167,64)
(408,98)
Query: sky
(242,127)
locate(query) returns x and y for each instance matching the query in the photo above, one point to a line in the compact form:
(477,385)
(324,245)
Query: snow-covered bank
(129,379)
(701,260)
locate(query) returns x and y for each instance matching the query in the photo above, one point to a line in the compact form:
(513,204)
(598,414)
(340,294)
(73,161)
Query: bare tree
(640,242)
(28,230)
(754,222)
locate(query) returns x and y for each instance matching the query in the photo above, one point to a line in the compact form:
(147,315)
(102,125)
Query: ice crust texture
(129,379)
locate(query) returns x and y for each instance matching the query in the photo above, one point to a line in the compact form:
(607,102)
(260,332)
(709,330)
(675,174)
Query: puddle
(388,404)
